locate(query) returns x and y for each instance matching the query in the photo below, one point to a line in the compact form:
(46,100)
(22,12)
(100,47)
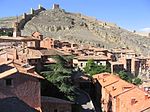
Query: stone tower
(16,31)
(55,6)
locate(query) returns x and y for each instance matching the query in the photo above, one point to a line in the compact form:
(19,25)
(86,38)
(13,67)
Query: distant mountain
(78,28)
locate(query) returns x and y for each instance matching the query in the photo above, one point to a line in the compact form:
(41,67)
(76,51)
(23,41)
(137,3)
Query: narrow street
(86,103)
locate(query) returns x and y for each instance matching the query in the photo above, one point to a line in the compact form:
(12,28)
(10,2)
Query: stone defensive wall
(95,20)
(28,16)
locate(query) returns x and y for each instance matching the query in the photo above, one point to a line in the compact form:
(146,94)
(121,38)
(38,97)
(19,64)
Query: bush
(137,81)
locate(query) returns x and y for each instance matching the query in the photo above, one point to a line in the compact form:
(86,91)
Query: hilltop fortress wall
(28,16)
(102,23)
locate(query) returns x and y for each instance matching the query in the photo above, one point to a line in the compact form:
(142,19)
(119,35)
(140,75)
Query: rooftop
(106,79)
(141,100)
(123,50)
(100,57)
(14,67)
(14,104)
(22,38)
(119,87)
(54,100)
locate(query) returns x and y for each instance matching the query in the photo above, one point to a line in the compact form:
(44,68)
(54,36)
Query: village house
(47,43)
(18,80)
(51,104)
(146,85)
(21,84)
(116,66)
(34,49)
(131,102)
(124,56)
(118,95)
(81,61)
(136,65)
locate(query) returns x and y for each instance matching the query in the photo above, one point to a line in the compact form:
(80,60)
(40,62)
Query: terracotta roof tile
(18,68)
(141,100)
(106,79)
(52,52)
(119,87)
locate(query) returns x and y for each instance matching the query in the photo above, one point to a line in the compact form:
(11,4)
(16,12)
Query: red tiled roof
(106,79)
(142,100)
(119,87)
(132,98)
(18,68)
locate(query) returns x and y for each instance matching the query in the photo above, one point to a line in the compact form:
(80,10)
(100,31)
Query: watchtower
(16,31)
(55,6)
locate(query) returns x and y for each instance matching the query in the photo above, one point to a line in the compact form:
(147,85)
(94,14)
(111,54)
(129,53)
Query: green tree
(123,75)
(137,81)
(60,75)
(92,68)
(5,33)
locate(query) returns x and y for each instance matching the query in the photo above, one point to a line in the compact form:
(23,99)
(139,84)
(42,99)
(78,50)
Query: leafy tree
(93,68)
(60,75)
(137,81)
(123,75)
(5,33)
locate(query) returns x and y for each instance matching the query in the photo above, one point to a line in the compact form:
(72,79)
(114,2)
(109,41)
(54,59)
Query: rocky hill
(78,28)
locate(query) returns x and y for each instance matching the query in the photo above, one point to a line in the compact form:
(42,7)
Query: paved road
(85,101)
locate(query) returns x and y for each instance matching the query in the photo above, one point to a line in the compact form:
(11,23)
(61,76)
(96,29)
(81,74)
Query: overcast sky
(129,14)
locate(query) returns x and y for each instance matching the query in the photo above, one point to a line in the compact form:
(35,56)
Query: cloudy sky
(129,14)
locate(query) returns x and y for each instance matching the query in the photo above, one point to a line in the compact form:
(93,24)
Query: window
(55,110)
(81,64)
(8,82)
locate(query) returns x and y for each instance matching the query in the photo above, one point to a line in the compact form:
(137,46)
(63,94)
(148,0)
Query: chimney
(126,88)
(105,74)
(16,29)
(113,88)
(15,55)
(133,101)
(99,77)
(104,80)
(146,96)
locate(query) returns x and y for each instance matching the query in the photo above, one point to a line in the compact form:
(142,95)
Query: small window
(8,82)
(81,64)
(55,110)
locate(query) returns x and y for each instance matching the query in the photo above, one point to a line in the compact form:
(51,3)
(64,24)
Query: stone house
(51,104)
(18,80)
(47,43)
(118,95)
(124,56)
(80,61)
(20,84)
(116,66)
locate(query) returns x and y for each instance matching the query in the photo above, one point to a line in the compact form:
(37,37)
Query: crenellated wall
(28,16)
